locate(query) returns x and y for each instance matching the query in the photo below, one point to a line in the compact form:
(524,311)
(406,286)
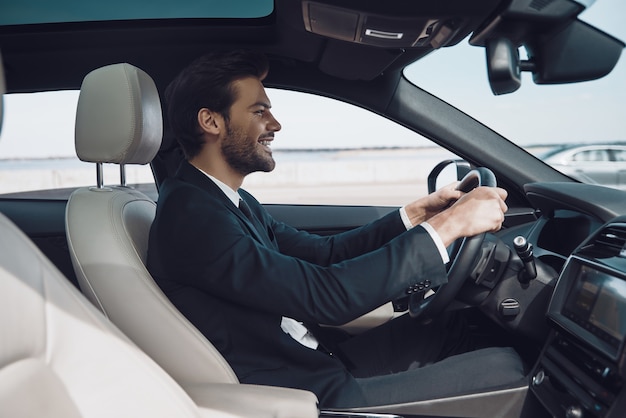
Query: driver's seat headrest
(118,119)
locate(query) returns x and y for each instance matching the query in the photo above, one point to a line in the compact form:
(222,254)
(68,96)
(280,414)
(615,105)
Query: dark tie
(266,235)
(243,207)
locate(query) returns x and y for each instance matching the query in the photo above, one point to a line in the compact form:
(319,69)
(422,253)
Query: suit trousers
(405,360)
(405,343)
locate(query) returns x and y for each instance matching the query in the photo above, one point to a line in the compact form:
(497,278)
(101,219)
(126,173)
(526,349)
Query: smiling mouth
(266,144)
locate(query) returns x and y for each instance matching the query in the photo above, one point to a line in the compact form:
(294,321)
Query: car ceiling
(48,56)
(331,47)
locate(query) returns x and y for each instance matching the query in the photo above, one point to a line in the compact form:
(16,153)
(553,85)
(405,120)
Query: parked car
(593,163)
(368,113)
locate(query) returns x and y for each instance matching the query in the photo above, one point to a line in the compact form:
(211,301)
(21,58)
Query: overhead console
(582,370)
(386,30)
(363,39)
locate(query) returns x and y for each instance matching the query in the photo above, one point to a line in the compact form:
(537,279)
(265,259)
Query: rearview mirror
(503,66)
(560,47)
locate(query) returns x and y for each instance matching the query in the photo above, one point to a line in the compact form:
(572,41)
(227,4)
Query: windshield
(539,118)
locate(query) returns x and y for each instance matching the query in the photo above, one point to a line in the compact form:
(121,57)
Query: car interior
(553,280)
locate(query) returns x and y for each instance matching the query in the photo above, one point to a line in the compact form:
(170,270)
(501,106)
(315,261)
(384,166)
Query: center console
(581,371)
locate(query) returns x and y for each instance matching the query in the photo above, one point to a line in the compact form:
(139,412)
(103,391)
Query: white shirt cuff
(431,231)
(405,219)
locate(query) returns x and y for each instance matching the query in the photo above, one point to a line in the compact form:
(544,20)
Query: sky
(583,112)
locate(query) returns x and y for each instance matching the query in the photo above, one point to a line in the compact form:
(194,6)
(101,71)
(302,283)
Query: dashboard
(581,369)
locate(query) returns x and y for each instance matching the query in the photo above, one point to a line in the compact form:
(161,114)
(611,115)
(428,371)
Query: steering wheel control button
(509,307)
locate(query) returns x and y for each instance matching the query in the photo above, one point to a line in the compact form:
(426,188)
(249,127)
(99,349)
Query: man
(249,282)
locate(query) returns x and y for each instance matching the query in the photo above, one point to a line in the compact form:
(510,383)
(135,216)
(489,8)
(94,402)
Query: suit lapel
(263,231)
(190,174)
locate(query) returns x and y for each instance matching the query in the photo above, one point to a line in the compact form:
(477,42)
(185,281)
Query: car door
(594,164)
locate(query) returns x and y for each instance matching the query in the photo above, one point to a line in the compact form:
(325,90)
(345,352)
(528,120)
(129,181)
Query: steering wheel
(464,254)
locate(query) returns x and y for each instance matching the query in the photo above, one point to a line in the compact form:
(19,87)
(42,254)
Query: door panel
(328,219)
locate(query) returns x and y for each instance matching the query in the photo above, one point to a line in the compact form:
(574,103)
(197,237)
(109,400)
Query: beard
(244,154)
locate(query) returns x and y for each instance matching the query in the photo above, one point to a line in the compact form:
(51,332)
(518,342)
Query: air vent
(609,242)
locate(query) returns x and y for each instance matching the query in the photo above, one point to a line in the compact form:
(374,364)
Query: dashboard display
(597,303)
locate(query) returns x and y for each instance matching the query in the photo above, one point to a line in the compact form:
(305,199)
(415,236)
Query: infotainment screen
(597,303)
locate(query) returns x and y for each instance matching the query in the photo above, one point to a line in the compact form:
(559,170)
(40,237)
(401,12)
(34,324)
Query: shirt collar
(232,195)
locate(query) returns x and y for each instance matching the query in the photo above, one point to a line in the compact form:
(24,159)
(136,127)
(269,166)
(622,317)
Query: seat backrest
(119,121)
(59,357)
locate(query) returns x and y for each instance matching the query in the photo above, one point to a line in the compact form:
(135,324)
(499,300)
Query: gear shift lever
(524,250)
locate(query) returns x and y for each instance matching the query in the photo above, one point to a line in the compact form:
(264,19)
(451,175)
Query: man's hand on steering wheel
(480,210)
(428,206)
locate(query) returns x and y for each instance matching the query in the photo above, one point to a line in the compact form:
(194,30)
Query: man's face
(246,145)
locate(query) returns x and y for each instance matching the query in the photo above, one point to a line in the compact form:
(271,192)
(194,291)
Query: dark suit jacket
(235,282)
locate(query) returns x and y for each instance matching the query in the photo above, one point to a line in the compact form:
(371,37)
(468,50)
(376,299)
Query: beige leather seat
(119,121)
(59,357)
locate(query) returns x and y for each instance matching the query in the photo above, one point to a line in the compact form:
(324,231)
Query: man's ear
(209,121)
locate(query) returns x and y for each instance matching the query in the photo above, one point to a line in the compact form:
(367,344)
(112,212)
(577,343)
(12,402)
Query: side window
(331,152)
(598,155)
(37,157)
(328,152)
(601,156)
(594,155)
(619,155)
(580,156)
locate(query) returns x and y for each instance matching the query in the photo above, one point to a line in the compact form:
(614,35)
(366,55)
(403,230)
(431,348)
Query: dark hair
(207,83)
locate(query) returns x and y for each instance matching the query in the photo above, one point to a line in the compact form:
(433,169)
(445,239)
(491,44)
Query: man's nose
(274,125)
